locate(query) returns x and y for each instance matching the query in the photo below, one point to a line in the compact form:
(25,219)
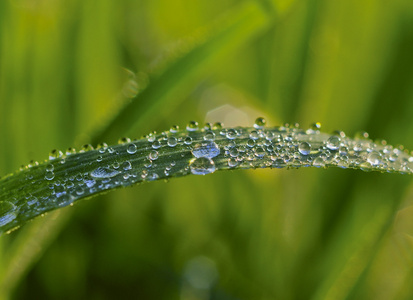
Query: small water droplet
(202,166)
(232,162)
(126,165)
(217,126)
(153,155)
(50,168)
(172,141)
(132,149)
(231,134)
(209,136)
(49,175)
(188,140)
(104,173)
(318,162)
(174,129)
(206,149)
(259,123)
(192,126)
(156,145)
(304,148)
(86,147)
(124,140)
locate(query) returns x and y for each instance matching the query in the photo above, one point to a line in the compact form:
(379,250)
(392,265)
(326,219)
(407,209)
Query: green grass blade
(64,179)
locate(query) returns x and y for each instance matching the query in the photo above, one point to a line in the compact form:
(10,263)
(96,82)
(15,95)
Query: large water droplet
(104,173)
(333,143)
(374,158)
(206,149)
(7,212)
(202,166)
(304,148)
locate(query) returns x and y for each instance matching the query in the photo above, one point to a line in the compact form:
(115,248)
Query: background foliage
(263,234)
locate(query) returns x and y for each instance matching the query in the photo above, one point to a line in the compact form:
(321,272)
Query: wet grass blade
(64,179)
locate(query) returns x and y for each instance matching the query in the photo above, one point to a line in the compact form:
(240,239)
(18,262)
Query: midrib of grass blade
(227,34)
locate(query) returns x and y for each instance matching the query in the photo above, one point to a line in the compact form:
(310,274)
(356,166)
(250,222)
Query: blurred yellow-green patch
(73,72)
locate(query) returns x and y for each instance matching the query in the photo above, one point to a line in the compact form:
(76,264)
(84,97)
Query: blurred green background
(66,68)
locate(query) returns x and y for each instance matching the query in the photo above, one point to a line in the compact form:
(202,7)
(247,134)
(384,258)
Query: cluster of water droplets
(199,150)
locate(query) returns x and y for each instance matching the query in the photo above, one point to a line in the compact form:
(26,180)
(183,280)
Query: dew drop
(192,126)
(7,212)
(126,166)
(156,145)
(318,162)
(124,140)
(188,140)
(259,123)
(231,134)
(202,166)
(132,149)
(333,143)
(153,155)
(374,158)
(50,168)
(206,149)
(259,152)
(232,162)
(209,136)
(217,125)
(174,129)
(172,141)
(104,173)
(49,175)
(304,148)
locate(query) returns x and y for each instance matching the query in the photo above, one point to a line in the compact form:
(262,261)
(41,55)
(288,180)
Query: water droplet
(55,154)
(172,141)
(86,147)
(7,212)
(259,152)
(132,149)
(304,148)
(206,149)
(333,143)
(153,155)
(156,145)
(232,162)
(124,140)
(231,134)
(217,126)
(188,140)
(192,126)
(174,129)
(259,123)
(318,162)
(374,158)
(50,168)
(202,166)
(209,136)
(104,173)
(49,175)
(126,166)
(254,135)
(251,143)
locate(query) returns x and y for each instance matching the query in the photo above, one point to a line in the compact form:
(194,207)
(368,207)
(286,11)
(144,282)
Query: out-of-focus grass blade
(231,31)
